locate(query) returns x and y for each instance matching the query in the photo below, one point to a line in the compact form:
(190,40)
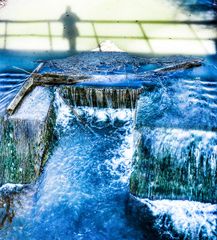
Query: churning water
(83,190)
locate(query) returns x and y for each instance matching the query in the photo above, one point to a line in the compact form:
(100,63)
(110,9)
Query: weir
(84,112)
(94,82)
(101,97)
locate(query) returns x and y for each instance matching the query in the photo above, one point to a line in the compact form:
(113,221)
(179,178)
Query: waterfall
(101,97)
(182,146)
(176,164)
(83,189)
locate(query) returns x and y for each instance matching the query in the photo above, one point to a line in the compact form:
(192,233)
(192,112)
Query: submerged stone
(10,200)
(9,189)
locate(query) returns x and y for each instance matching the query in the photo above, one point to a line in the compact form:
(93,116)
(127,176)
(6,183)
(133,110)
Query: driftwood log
(36,79)
(180,66)
(51,79)
(27,87)
(55,79)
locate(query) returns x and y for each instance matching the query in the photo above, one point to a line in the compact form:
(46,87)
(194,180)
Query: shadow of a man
(70,30)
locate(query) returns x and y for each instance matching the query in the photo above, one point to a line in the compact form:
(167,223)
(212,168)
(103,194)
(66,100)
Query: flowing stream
(83,191)
(84,187)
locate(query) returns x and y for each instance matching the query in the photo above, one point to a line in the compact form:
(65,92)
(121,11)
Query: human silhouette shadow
(70,31)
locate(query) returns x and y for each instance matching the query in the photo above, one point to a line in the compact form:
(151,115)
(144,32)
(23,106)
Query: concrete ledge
(25,137)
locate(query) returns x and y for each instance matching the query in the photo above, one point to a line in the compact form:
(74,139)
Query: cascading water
(101,97)
(183,219)
(82,191)
(191,153)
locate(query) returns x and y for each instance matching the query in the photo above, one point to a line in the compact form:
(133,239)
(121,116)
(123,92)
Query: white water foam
(121,165)
(10,188)
(192,220)
(63,112)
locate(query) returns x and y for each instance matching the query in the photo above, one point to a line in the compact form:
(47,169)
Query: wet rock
(141,215)
(9,197)
(175,164)
(9,189)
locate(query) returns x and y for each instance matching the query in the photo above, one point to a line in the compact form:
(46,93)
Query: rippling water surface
(9,86)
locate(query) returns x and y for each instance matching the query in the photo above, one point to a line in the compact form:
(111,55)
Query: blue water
(9,86)
(83,190)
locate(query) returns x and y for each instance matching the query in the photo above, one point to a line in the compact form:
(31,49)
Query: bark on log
(55,79)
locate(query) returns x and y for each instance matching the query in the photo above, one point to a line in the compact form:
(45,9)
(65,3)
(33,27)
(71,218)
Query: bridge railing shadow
(96,30)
